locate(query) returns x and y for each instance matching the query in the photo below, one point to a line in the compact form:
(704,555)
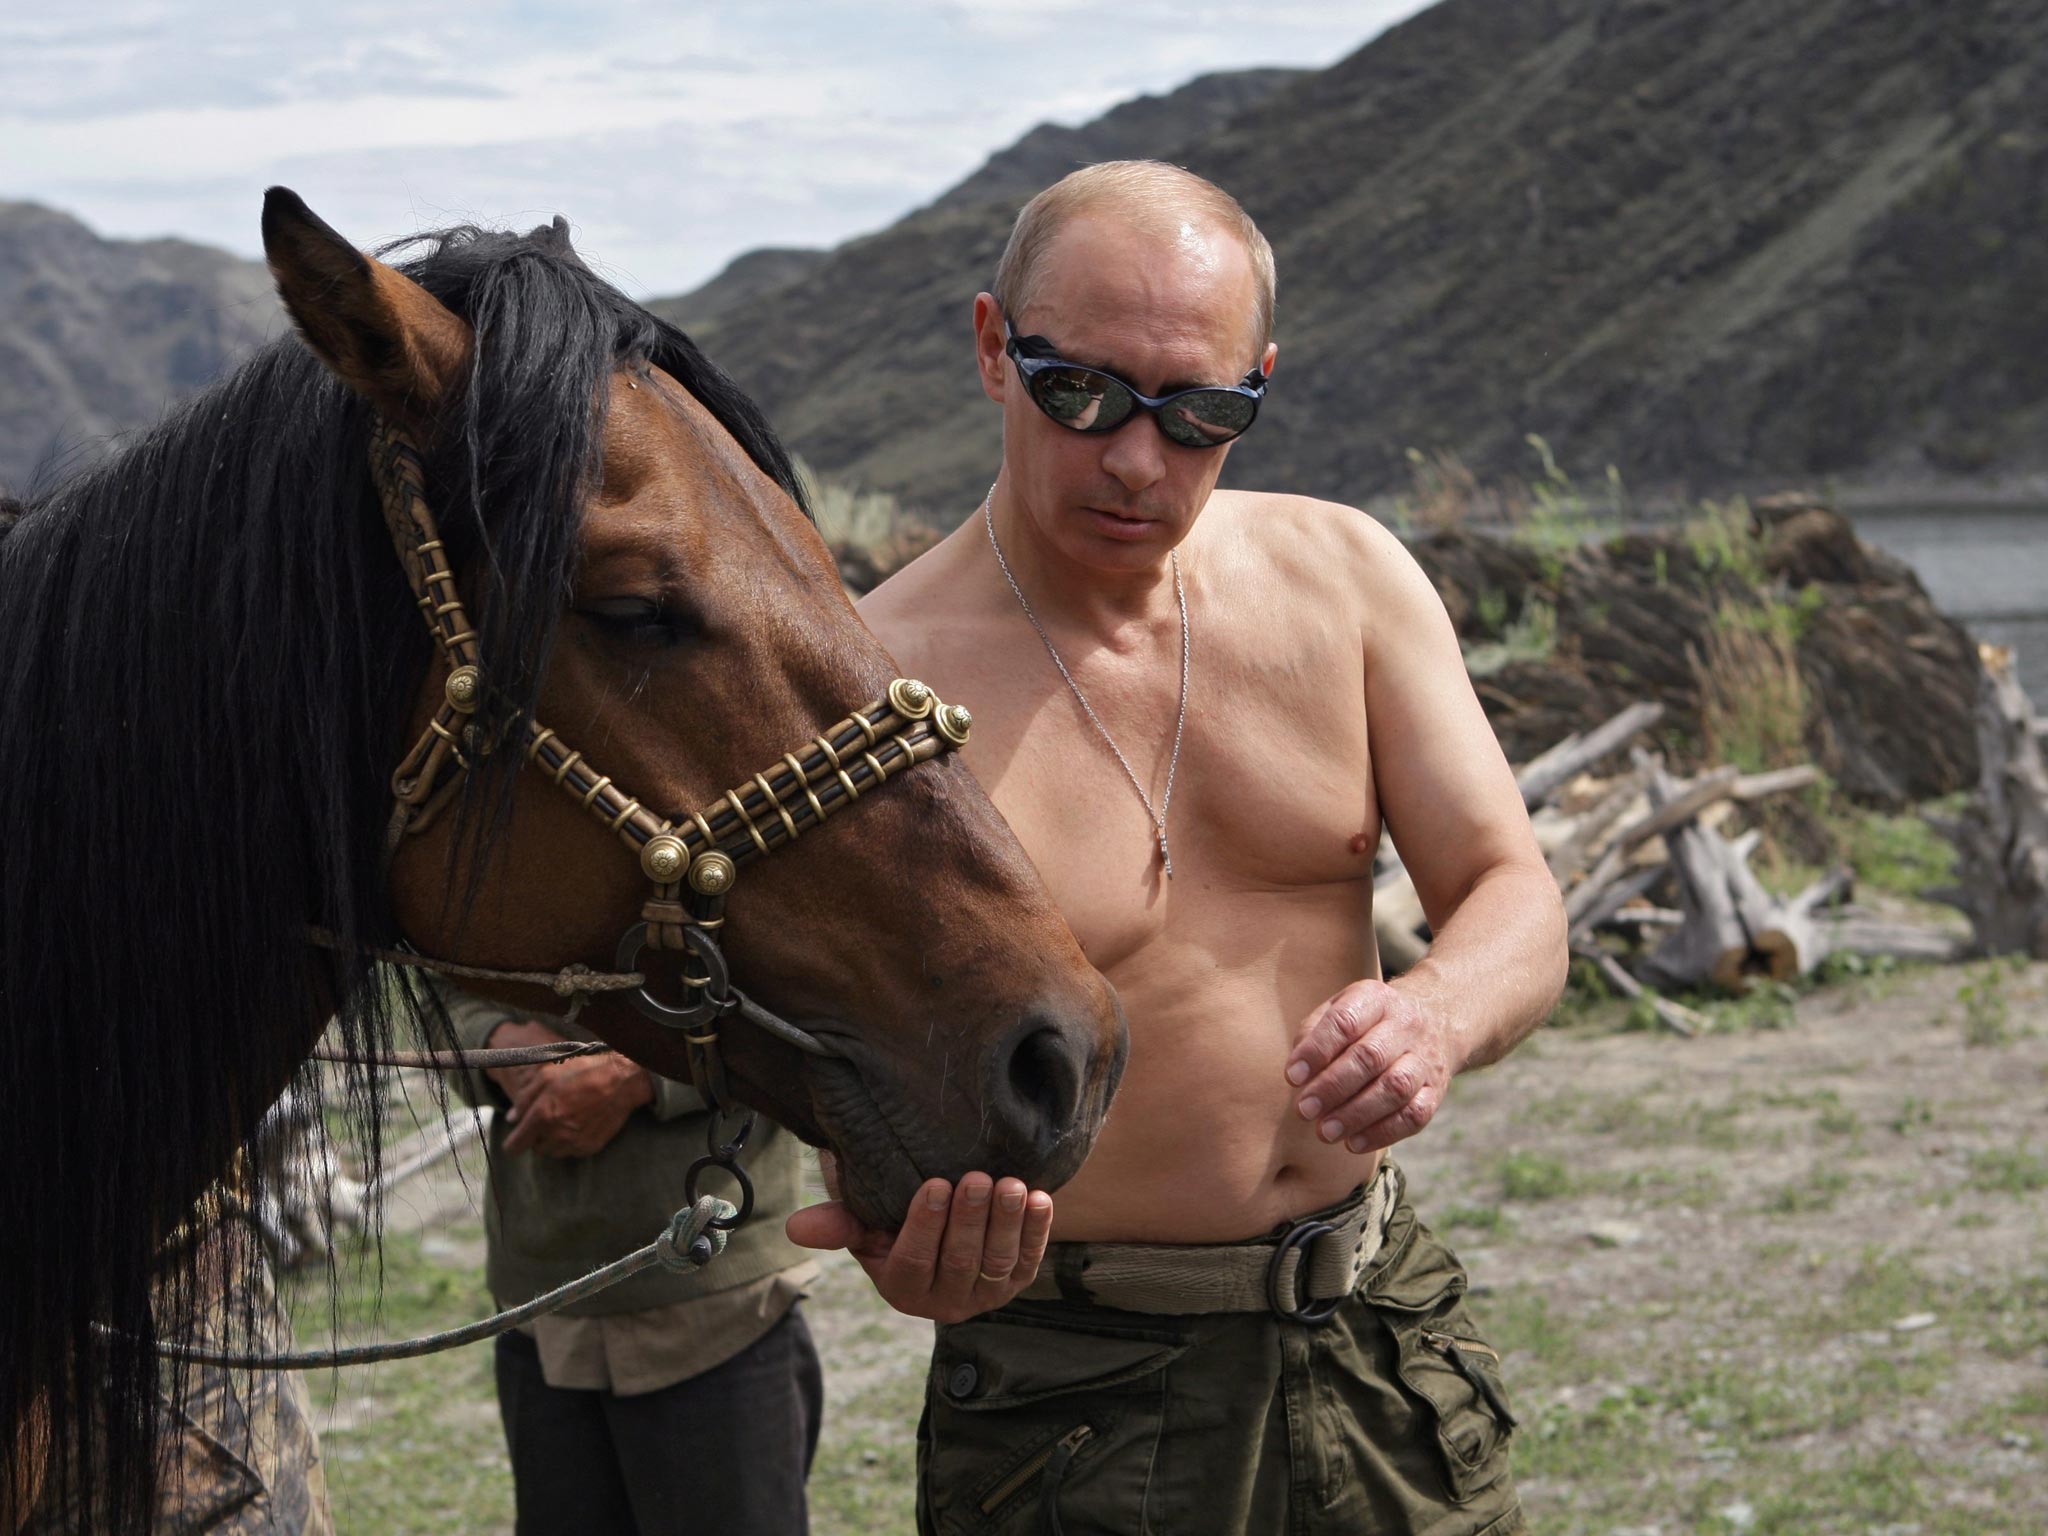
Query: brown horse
(214,668)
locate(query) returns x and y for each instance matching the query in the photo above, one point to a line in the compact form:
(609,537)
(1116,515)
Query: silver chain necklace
(1180,718)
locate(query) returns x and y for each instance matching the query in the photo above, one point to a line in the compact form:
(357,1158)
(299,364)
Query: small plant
(1815,1194)
(1987,1017)
(1482,1218)
(1444,493)
(1722,539)
(2009,1170)
(1530,1176)
(1559,519)
(1754,706)
(1913,1115)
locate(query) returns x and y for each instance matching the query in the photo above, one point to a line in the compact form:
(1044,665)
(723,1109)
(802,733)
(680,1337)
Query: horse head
(697,632)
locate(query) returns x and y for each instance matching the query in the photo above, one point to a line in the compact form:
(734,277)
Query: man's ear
(988,346)
(382,334)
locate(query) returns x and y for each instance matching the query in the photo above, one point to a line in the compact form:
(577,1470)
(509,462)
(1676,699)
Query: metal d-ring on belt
(691,860)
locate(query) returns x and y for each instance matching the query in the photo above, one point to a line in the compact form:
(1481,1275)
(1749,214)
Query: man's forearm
(1497,967)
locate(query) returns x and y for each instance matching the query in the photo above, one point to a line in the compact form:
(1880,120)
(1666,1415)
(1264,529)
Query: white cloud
(673,135)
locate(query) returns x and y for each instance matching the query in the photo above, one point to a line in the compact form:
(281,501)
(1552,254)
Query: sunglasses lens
(1081,398)
(1207,418)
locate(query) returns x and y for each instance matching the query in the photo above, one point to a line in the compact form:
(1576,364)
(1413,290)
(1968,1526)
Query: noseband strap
(691,861)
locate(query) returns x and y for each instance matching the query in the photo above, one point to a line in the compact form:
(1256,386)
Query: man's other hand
(1372,1067)
(567,1108)
(960,1252)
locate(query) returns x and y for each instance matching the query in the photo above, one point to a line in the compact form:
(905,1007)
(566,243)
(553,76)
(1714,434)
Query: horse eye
(639,620)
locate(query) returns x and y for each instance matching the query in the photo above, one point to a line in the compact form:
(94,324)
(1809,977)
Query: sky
(673,136)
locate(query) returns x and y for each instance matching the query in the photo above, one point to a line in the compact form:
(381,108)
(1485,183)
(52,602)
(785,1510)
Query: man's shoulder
(1307,539)
(903,609)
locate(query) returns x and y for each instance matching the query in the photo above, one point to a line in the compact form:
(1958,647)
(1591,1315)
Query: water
(1986,566)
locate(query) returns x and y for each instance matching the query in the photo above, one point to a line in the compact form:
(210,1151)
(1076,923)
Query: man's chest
(1271,786)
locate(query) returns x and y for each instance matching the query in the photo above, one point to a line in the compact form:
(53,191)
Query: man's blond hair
(1147,193)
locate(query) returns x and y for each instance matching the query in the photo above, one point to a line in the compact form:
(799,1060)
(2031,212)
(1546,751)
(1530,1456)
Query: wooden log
(1541,777)
(1778,781)
(1673,1016)
(1711,946)
(2001,839)
(1397,920)
(1588,832)
(1898,940)
(1791,935)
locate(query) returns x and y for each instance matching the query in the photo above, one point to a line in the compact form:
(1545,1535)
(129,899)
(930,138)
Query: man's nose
(1136,454)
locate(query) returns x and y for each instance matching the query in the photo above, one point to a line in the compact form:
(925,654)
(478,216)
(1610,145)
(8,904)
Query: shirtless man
(1275,678)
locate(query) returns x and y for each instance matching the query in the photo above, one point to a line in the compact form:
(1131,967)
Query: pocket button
(963,1381)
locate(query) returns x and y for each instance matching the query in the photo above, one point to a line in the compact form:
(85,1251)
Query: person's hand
(959,1252)
(1372,1067)
(573,1108)
(508,1036)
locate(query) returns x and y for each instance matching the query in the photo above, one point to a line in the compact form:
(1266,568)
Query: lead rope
(692,1239)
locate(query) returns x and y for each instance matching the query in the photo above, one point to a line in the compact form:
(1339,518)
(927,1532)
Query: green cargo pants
(1079,1420)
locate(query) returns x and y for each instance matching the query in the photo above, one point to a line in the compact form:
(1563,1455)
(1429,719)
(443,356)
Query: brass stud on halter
(464,688)
(713,874)
(911,699)
(954,722)
(663,858)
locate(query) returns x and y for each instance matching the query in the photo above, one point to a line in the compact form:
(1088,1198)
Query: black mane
(207,653)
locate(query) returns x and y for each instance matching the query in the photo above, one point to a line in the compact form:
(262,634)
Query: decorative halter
(691,860)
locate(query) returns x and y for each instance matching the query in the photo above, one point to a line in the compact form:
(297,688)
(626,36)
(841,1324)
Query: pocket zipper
(1454,1350)
(1071,1441)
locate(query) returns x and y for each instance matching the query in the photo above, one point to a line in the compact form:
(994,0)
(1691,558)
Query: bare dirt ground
(1788,1279)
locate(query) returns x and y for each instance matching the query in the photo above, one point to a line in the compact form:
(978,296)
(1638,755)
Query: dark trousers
(724,1452)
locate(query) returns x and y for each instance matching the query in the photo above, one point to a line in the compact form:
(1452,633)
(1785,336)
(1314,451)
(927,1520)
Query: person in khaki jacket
(615,1407)
(1200,708)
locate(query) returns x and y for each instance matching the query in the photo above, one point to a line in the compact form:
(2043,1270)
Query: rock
(1915,1322)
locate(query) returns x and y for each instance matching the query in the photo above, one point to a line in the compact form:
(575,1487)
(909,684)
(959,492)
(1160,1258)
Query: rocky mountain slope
(98,336)
(1711,244)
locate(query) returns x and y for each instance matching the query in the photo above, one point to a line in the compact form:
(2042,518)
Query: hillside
(98,336)
(1715,245)
(1008,178)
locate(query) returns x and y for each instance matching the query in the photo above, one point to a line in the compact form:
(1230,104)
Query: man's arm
(1375,1060)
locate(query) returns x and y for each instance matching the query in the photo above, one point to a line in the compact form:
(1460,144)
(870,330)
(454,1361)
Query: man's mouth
(1118,524)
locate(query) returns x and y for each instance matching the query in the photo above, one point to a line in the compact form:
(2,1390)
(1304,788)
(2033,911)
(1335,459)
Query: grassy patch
(1477,1218)
(2008,1170)
(1531,1176)
(418,1448)
(1899,854)
(1804,1196)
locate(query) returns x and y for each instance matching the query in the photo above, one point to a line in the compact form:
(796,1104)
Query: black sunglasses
(1087,399)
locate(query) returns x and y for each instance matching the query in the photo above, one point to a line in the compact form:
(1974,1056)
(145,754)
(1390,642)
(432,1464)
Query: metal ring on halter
(739,1176)
(630,944)
(1300,1307)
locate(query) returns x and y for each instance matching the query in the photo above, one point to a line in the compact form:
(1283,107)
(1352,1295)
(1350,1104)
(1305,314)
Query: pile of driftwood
(1658,897)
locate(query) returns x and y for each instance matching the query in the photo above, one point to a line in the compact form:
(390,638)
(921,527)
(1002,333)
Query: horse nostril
(1044,1079)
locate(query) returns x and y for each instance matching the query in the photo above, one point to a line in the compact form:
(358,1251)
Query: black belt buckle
(1299,1308)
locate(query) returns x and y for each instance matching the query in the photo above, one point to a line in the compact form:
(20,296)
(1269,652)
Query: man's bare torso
(1273,823)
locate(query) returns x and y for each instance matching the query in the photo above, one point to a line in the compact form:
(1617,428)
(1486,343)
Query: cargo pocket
(1035,1428)
(1453,1374)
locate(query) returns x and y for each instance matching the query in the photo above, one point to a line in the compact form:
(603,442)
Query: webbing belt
(1301,1274)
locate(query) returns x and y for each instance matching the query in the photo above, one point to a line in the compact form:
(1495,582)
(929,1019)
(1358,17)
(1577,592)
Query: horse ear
(384,335)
